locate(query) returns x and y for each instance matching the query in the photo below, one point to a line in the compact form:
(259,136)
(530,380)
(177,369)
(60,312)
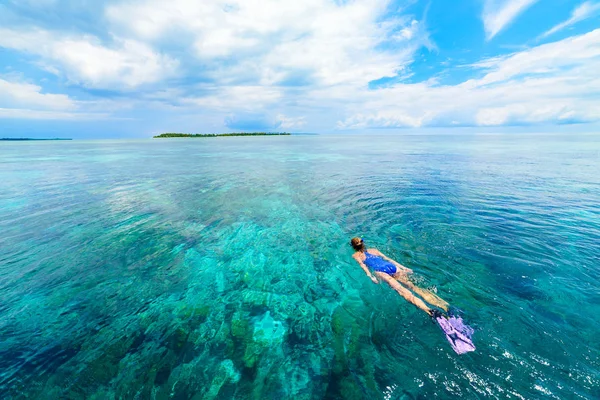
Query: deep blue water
(220,267)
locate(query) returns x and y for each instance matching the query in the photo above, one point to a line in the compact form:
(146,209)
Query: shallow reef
(220,269)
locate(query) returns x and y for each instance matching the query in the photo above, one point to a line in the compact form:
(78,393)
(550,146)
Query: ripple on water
(221,269)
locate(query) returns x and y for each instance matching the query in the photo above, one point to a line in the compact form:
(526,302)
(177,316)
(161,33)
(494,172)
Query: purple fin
(457,333)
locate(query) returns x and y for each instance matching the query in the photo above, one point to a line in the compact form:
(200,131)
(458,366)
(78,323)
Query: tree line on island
(195,135)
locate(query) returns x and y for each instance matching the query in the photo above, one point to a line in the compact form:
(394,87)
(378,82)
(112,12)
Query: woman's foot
(435,314)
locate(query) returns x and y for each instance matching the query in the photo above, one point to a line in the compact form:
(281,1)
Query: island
(197,135)
(19,139)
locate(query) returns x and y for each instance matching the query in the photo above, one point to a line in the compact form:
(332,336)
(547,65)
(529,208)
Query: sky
(135,68)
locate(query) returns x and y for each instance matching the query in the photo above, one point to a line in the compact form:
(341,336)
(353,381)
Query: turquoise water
(220,268)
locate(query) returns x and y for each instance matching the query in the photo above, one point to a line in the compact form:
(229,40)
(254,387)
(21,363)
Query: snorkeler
(396,275)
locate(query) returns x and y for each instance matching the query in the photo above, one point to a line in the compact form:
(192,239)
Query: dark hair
(357,243)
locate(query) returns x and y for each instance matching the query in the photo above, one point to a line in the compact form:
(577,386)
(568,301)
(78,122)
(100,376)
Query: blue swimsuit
(378,264)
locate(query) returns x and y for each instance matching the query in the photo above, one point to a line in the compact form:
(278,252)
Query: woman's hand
(374,279)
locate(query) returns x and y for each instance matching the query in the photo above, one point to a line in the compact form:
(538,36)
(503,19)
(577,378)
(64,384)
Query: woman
(396,275)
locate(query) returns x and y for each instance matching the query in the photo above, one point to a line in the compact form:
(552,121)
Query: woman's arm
(396,263)
(364,267)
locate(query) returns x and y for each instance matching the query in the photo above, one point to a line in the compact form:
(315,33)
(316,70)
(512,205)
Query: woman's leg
(402,291)
(425,294)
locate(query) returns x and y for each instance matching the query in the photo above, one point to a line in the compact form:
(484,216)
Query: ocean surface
(219,268)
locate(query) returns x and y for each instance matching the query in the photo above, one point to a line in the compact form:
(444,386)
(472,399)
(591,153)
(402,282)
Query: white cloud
(553,58)
(256,55)
(301,64)
(30,95)
(23,100)
(21,113)
(271,41)
(555,82)
(498,14)
(286,122)
(268,55)
(84,60)
(583,11)
(227,98)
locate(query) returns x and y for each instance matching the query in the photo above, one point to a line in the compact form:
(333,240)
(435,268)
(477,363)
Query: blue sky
(134,68)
